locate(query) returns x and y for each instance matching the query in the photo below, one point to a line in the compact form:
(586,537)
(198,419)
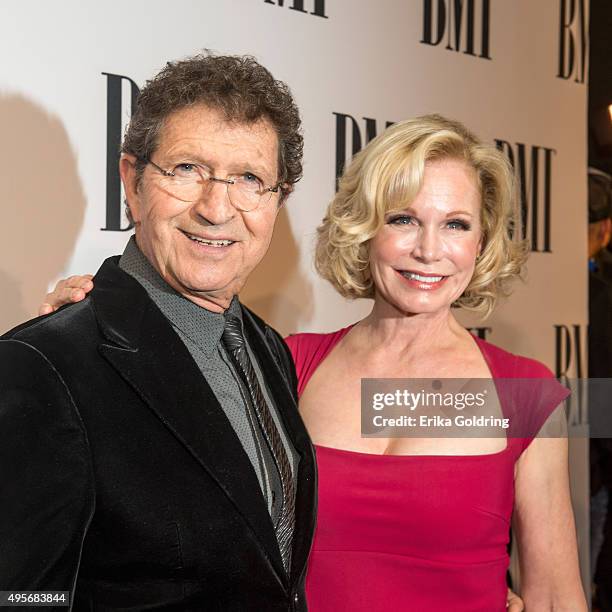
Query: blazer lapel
(148,354)
(285,402)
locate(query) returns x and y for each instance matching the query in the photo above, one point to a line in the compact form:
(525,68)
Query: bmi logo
(352,136)
(464,25)
(118,106)
(533,166)
(570,343)
(572,40)
(317,6)
(569,351)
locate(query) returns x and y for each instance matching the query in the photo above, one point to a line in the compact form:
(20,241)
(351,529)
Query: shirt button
(296,598)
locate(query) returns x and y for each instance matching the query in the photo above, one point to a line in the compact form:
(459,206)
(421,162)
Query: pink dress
(414,532)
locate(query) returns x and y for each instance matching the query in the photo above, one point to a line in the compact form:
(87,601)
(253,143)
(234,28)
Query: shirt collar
(201,326)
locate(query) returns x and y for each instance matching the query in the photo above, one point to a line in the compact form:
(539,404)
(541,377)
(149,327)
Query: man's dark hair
(237,86)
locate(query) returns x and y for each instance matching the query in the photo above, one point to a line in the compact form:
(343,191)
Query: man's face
(181,239)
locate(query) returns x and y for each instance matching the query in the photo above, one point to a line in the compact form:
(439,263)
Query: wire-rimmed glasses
(187,181)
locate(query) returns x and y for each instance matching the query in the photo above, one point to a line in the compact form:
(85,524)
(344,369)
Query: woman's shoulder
(505,364)
(309,349)
(308,343)
(528,390)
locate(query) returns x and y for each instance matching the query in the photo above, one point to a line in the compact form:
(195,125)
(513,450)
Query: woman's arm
(544,526)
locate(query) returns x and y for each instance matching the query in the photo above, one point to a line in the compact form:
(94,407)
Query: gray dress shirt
(201,331)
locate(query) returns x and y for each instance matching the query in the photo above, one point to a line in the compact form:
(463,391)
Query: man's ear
(285,191)
(127,171)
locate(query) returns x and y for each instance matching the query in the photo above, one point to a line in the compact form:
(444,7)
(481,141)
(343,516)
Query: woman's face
(423,257)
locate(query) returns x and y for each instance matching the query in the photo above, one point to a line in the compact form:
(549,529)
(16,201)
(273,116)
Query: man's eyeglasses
(187,181)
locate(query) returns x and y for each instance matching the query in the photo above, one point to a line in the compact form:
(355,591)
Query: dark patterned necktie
(236,347)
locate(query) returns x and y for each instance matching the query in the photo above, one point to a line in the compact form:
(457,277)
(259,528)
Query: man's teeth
(422,279)
(215,243)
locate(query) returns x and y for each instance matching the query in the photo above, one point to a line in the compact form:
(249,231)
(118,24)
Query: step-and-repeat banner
(514,72)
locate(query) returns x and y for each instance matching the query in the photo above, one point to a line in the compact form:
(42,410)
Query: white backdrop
(519,80)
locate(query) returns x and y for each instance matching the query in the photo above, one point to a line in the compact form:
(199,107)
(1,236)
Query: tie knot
(232,333)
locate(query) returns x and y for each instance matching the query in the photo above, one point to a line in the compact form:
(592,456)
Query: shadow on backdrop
(277,290)
(42,204)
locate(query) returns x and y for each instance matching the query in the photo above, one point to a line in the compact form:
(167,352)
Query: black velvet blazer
(121,478)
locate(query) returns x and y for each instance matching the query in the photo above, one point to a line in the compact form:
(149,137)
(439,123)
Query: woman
(421,224)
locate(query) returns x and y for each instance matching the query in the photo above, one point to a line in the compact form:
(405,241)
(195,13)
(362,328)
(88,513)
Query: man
(153,457)
(600,225)
(600,366)
(600,287)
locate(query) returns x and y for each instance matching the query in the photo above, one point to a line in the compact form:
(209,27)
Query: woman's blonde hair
(387,175)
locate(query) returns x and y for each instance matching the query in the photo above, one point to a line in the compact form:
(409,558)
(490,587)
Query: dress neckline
(482,347)
(357,454)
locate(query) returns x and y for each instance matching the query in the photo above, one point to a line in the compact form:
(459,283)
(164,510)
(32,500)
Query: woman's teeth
(422,279)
